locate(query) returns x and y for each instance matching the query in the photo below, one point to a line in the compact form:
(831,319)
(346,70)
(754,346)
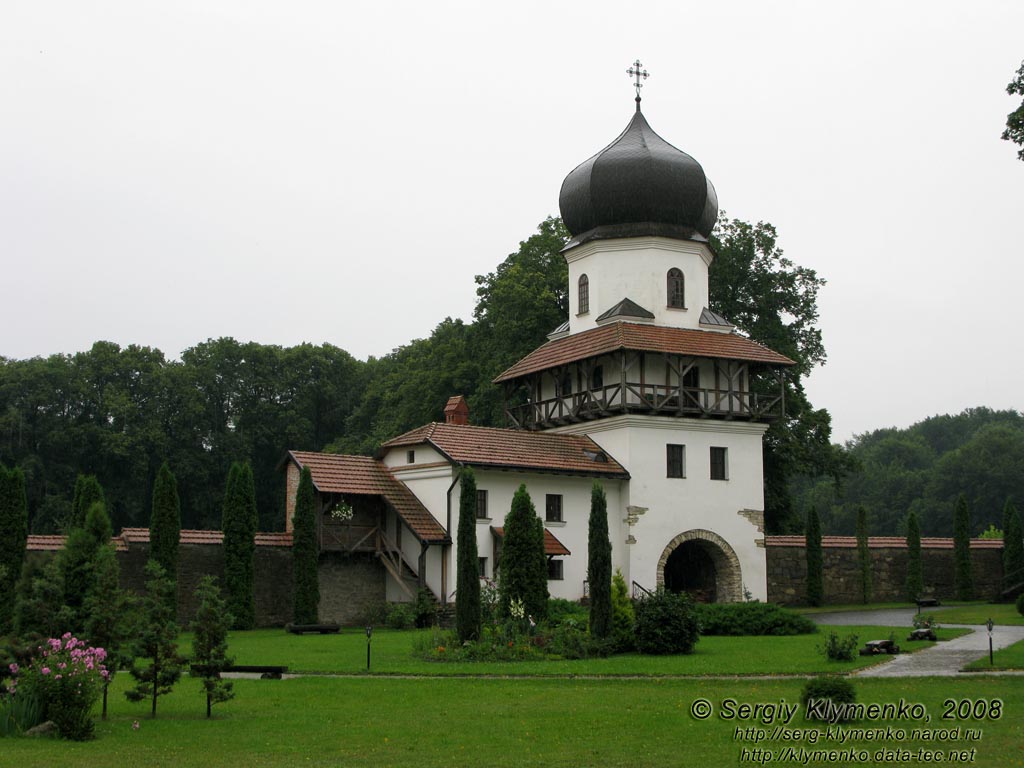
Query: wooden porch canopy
(643,338)
(362,475)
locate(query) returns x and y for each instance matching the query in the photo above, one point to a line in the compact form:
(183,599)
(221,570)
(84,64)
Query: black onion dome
(639,184)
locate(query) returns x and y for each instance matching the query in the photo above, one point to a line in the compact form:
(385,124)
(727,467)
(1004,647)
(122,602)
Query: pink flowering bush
(67,677)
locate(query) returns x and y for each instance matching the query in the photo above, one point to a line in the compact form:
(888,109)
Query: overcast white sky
(334,172)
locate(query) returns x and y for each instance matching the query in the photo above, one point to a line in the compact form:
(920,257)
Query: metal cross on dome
(639,73)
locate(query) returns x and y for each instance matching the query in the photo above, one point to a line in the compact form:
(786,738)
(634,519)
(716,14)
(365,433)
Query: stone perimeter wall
(351,587)
(787,573)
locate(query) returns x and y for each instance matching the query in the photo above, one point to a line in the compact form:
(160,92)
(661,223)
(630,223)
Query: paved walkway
(942,660)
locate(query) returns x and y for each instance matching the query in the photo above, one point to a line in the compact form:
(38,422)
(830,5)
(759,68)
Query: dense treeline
(120,413)
(924,469)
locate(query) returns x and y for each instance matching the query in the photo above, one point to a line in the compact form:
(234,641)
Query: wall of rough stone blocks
(787,573)
(352,587)
(272,571)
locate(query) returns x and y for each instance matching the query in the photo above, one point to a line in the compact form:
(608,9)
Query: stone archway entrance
(702,563)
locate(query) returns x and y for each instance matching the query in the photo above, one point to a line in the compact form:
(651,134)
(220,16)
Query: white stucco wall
(573,532)
(696,502)
(637,268)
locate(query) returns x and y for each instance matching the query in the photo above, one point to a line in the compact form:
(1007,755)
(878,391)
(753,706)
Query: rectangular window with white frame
(555,569)
(553,508)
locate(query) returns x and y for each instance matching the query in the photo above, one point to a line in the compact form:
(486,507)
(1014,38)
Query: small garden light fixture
(369,634)
(990,624)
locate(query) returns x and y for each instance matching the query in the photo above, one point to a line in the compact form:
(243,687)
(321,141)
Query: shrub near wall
(666,623)
(752,618)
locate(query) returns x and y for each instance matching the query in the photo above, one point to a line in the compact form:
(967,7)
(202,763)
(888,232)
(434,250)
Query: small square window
(410,457)
(555,570)
(482,562)
(719,463)
(675,460)
(553,508)
(481,505)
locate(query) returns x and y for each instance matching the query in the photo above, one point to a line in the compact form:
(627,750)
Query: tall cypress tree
(815,575)
(109,614)
(1013,547)
(915,577)
(304,552)
(238,520)
(523,563)
(863,555)
(13,539)
(963,576)
(88,491)
(599,564)
(165,523)
(467,602)
(78,563)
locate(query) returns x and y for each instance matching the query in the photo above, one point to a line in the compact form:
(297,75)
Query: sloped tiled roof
(878,542)
(129,536)
(647,338)
(514,449)
(363,475)
(552,546)
(626,308)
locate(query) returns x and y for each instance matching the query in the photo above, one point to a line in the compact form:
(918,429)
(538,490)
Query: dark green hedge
(751,619)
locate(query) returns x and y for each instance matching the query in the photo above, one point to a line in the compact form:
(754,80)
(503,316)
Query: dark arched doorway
(702,563)
(691,568)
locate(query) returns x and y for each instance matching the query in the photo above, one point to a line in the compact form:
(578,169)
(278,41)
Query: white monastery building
(643,389)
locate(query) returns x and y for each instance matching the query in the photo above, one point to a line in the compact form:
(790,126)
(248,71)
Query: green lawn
(490,722)
(979,613)
(1011,657)
(345,653)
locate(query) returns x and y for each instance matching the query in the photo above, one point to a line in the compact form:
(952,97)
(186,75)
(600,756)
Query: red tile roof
(552,546)
(877,542)
(514,449)
(129,536)
(645,338)
(363,475)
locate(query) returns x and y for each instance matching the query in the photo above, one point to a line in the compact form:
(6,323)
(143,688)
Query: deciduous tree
(1015,120)
(13,538)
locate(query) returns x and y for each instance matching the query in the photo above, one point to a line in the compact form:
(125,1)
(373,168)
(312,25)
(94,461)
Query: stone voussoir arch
(728,577)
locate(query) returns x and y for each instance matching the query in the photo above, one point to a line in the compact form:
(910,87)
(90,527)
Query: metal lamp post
(989,624)
(369,634)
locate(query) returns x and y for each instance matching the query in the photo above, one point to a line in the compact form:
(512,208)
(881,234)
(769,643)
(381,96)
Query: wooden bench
(310,629)
(876,647)
(924,633)
(265,671)
(928,602)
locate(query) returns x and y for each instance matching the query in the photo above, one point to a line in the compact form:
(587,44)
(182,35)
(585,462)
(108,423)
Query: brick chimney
(456,411)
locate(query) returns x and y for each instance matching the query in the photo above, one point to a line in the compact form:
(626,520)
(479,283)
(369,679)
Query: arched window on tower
(584,295)
(676,295)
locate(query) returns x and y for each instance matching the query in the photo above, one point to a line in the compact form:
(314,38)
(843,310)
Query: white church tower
(650,373)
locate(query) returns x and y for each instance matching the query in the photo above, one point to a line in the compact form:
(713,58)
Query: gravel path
(945,659)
